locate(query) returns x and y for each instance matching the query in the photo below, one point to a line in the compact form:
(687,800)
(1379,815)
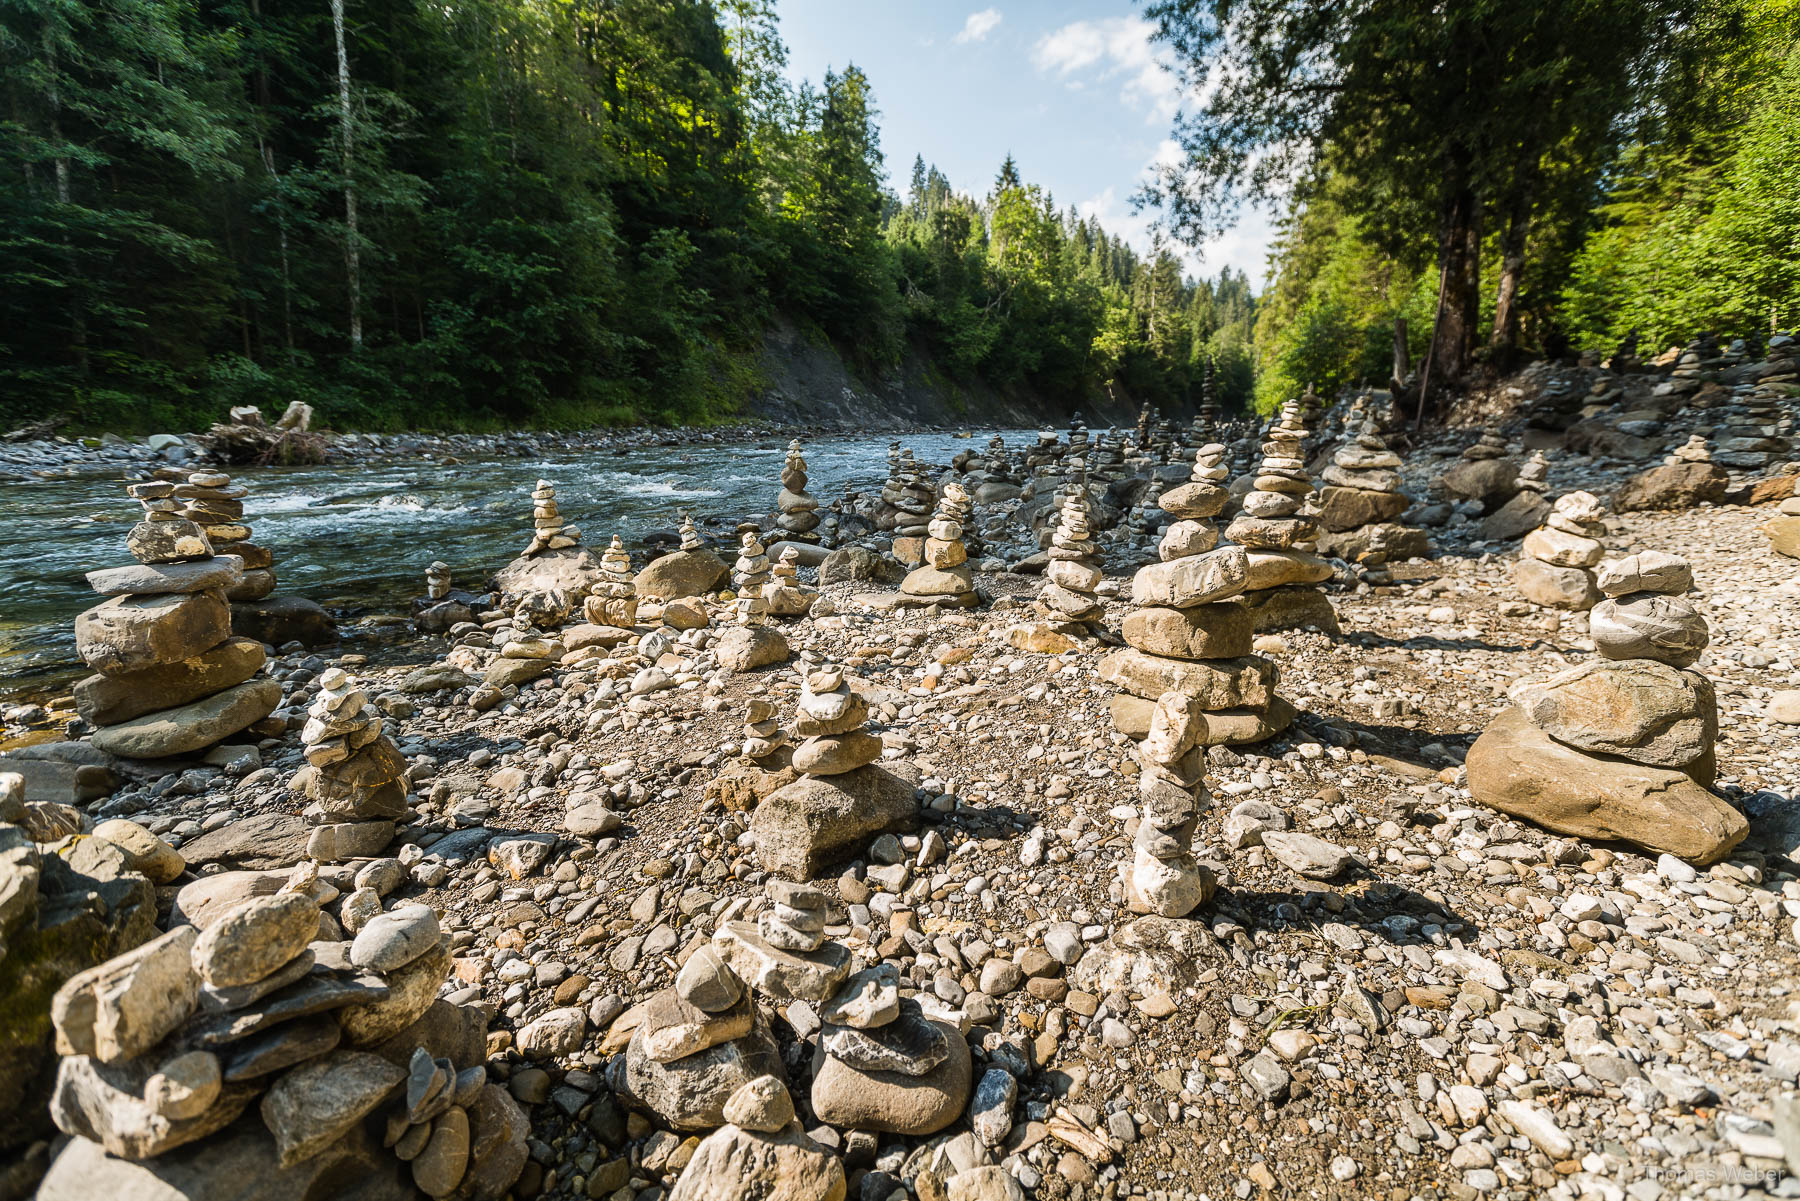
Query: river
(359,536)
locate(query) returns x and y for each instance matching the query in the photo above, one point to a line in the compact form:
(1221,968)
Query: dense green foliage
(1646,146)
(501,212)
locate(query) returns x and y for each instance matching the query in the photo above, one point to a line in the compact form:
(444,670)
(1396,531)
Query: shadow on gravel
(1382,910)
(1429,642)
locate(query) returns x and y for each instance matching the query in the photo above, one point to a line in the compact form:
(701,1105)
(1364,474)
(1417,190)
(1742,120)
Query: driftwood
(248,440)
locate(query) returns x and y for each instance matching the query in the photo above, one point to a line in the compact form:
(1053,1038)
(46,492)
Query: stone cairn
(443,605)
(831,721)
(171,679)
(1621,746)
(785,595)
(548,531)
(799,517)
(1279,533)
(260,1001)
(1068,599)
(1164,879)
(354,775)
(1188,634)
(748,576)
(763,734)
(216,505)
(1079,445)
(944,577)
(1360,500)
(886,509)
(613,602)
(1555,564)
(437,581)
(1694,450)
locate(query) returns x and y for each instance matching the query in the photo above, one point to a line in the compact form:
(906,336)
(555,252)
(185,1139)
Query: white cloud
(1116,48)
(978,25)
(1244,247)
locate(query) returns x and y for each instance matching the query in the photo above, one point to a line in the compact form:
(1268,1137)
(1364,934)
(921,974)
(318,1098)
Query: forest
(477,214)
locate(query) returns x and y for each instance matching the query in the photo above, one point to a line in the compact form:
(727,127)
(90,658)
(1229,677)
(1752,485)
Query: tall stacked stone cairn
(1079,445)
(844,796)
(1556,561)
(1279,534)
(1067,599)
(750,573)
(547,529)
(1145,422)
(944,578)
(1620,747)
(354,775)
(886,507)
(785,594)
(799,518)
(751,643)
(1189,633)
(171,679)
(1045,454)
(318,1021)
(613,602)
(1362,496)
(1163,878)
(690,571)
(912,511)
(1529,506)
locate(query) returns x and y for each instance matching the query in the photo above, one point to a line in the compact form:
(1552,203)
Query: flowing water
(359,536)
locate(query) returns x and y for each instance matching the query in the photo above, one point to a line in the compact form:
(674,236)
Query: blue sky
(1074,91)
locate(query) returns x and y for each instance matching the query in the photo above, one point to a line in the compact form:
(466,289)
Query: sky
(1075,91)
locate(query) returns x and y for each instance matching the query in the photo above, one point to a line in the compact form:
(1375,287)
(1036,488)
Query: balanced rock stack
(882,1065)
(354,775)
(785,595)
(613,603)
(1362,497)
(169,1044)
(887,508)
(1555,565)
(1281,589)
(750,573)
(944,577)
(763,735)
(437,581)
(1078,439)
(1189,634)
(215,504)
(547,529)
(751,642)
(1621,747)
(1683,480)
(1164,879)
(1070,576)
(171,678)
(844,795)
(443,605)
(1528,507)
(799,512)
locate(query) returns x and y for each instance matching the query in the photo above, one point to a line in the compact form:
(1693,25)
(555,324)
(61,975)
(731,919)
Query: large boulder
(1347,508)
(800,828)
(266,840)
(1518,769)
(1517,517)
(1291,609)
(745,648)
(690,1093)
(684,573)
(1673,486)
(893,1102)
(1783,532)
(856,564)
(279,620)
(1248,681)
(573,573)
(1490,481)
(131,633)
(193,726)
(784,1166)
(1555,587)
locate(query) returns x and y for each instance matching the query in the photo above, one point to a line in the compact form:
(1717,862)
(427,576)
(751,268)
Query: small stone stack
(912,504)
(751,571)
(1164,879)
(171,679)
(944,577)
(1555,565)
(1491,445)
(216,505)
(1535,475)
(269,1002)
(437,581)
(763,735)
(548,531)
(444,606)
(785,595)
(1189,634)
(1621,746)
(1067,598)
(887,505)
(1281,590)
(693,570)
(799,512)
(1694,450)
(831,722)
(354,775)
(882,1065)
(751,643)
(1078,439)
(1360,500)
(613,602)
(1684,377)
(1145,422)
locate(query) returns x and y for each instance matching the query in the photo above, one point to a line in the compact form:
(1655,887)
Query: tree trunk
(1505,337)
(1402,355)
(1459,306)
(352,254)
(78,331)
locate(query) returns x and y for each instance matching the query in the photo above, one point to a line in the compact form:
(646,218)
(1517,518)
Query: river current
(360,536)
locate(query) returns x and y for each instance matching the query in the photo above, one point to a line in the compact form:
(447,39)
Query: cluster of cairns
(1621,747)
(354,776)
(1189,632)
(944,577)
(1278,530)
(317,1021)
(799,516)
(1361,498)
(1556,560)
(171,679)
